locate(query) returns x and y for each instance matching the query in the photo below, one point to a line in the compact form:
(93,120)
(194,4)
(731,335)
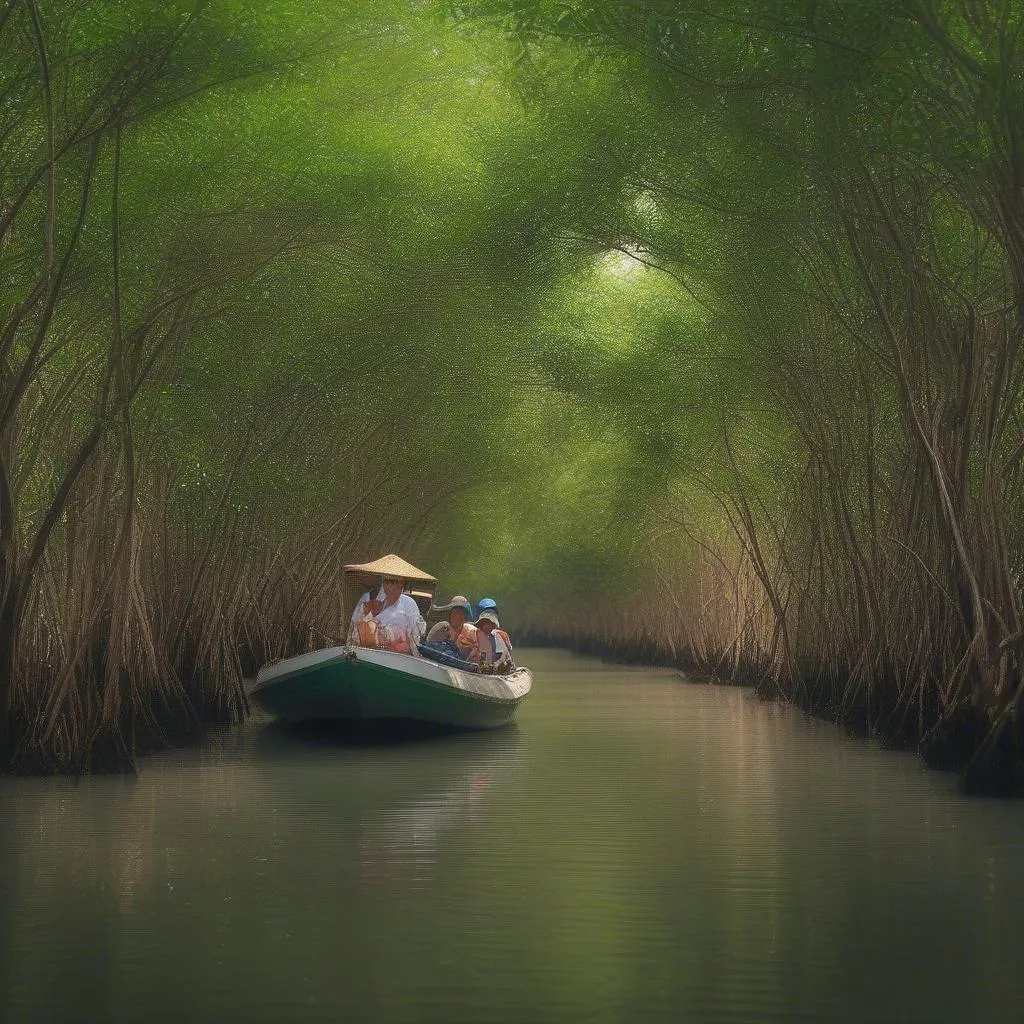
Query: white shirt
(403,620)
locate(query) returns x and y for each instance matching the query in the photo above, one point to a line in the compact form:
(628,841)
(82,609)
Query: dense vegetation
(693,333)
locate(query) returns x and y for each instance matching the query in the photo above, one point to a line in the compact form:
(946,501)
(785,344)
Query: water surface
(636,849)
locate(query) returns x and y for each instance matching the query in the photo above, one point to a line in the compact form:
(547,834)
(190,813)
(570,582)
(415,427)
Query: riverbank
(989,761)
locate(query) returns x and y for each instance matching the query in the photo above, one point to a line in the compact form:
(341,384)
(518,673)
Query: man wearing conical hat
(392,620)
(399,623)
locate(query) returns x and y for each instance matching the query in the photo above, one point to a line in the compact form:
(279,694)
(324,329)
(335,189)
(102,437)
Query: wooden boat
(355,683)
(362,683)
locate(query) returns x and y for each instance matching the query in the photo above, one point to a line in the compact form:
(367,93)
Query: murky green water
(636,850)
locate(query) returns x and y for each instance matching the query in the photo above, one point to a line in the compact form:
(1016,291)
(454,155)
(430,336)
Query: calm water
(637,849)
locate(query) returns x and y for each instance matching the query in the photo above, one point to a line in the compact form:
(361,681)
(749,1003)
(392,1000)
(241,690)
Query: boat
(351,683)
(363,683)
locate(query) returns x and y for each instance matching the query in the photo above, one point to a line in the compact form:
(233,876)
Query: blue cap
(485,603)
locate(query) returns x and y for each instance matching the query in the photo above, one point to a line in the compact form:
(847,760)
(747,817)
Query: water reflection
(418,786)
(637,849)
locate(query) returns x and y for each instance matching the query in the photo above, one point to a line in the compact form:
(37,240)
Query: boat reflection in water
(403,842)
(404,791)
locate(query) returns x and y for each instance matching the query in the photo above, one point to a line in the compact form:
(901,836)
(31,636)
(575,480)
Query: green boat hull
(349,687)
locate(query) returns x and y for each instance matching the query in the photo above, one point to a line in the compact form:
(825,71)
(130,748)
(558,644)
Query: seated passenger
(495,655)
(458,630)
(369,605)
(489,604)
(396,626)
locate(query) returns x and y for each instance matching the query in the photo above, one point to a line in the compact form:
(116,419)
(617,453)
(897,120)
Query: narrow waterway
(636,849)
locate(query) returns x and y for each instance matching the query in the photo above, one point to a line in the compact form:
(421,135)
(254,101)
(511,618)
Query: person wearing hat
(494,653)
(489,604)
(397,623)
(458,630)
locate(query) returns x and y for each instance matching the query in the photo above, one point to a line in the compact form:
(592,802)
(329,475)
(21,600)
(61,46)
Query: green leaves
(543,266)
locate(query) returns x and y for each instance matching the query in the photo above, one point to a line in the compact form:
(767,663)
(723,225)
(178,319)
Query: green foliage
(521,289)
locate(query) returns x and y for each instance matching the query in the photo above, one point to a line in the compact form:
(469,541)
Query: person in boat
(458,631)
(394,623)
(370,604)
(489,604)
(494,654)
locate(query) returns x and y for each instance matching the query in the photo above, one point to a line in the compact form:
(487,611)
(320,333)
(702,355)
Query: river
(637,848)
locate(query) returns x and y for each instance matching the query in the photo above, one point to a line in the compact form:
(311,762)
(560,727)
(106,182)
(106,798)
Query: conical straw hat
(393,566)
(357,578)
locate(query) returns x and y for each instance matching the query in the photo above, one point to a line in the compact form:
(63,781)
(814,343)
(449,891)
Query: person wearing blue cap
(488,604)
(494,654)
